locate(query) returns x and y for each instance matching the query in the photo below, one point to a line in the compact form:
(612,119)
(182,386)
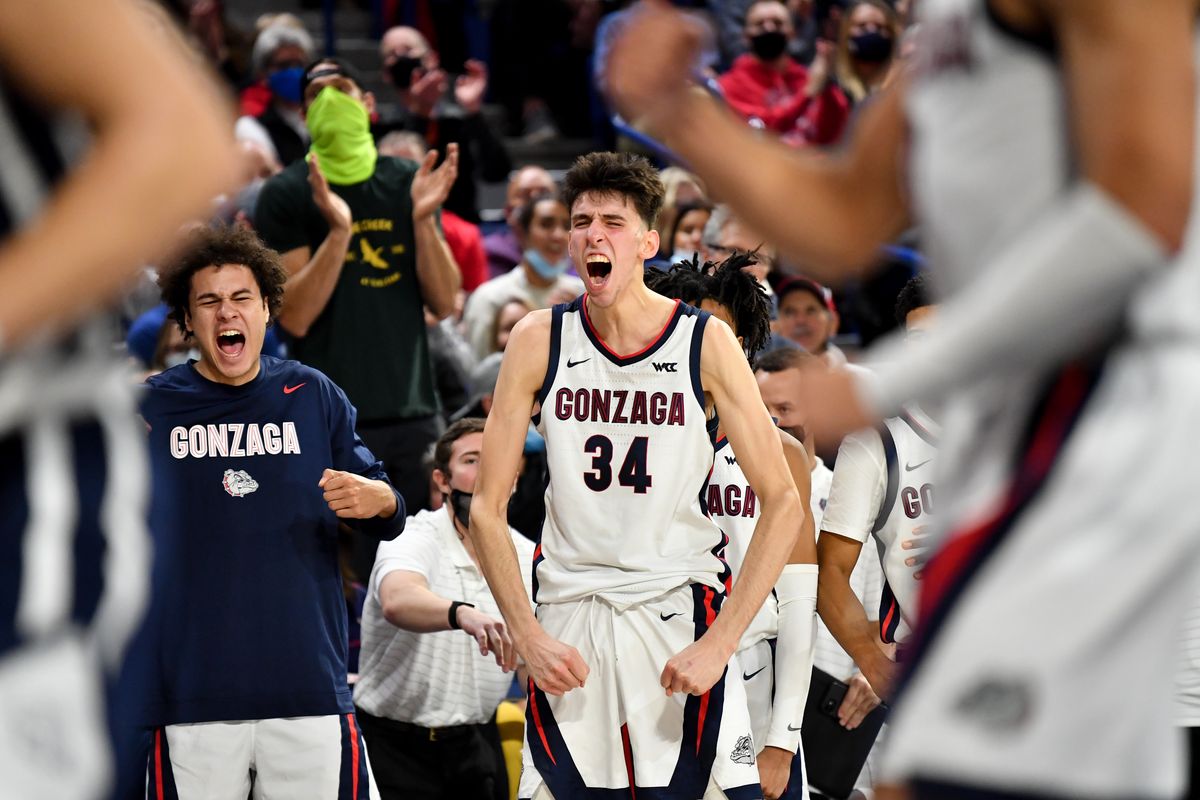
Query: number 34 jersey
(630,456)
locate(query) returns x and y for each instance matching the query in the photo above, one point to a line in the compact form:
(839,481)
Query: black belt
(445,733)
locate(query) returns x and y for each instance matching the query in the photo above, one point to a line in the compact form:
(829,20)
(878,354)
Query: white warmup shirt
(432,679)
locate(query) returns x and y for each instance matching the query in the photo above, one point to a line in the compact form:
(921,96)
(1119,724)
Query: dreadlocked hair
(744,296)
(688,281)
(724,282)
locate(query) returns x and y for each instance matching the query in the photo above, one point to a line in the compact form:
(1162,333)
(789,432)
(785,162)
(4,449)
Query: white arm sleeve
(1056,291)
(797,593)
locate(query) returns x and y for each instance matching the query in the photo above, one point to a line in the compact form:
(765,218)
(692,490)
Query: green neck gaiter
(341,137)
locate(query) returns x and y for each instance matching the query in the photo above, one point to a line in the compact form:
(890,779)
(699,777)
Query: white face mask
(682,255)
(177,357)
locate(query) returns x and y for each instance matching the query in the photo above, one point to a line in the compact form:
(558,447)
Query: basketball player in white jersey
(779,374)
(1047,147)
(776,651)
(628,655)
(882,489)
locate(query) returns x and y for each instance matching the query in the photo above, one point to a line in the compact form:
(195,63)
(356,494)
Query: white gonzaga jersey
(883,488)
(629,456)
(910,449)
(734,507)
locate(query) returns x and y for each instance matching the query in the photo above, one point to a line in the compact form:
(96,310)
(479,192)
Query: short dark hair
(917,293)
(445,442)
(727,283)
(784,358)
(331,65)
(525,211)
(623,175)
(213,247)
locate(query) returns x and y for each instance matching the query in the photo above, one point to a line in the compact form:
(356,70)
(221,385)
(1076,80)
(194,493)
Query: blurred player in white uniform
(776,651)
(627,655)
(92,186)
(1047,147)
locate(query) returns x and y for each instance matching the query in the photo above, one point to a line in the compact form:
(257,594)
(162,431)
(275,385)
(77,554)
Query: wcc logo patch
(743,751)
(238,483)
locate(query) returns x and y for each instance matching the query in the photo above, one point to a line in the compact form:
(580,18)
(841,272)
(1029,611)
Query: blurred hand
(650,63)
(821,67)
(491,636)
(555,668)
(469,89)
(431,187)
(332,207)
(774,769)
(859,701)
(834,407)
(426,89)
(352,496)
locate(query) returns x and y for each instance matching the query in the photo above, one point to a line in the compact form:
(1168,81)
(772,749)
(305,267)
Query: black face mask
(769,45)
(402,71)
(872,47)
(460,504)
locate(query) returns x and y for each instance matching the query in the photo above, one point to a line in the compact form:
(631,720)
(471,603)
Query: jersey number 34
(633,469)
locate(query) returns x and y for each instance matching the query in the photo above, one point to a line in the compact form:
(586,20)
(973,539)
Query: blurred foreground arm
(162,150)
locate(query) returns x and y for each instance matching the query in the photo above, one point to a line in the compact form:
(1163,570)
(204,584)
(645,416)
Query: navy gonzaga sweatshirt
(252,622)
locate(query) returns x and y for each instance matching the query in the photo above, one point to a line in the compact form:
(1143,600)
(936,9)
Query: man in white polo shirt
(426,692)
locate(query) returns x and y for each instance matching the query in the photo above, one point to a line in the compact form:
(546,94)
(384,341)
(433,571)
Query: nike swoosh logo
(793,728)
(911,467)
(747,676)
(289,389)
(666,617)
(571,363)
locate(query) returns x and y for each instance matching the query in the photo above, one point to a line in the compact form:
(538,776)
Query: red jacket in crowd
(755,89)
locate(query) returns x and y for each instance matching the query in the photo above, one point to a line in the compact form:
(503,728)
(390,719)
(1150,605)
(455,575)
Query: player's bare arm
(1131,88)
(800,468)
(726,376)
(853,199)
(555,667)
(123,204)
(1131,100)
(437,272)
(408,602)
(843,613)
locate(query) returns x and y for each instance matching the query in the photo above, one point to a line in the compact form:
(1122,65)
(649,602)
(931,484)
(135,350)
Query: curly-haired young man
(253,637)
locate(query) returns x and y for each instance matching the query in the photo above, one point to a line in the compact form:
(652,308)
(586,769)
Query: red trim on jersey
(628,759)
(588,321)
(158,769)
(959,551)
(710,616)
(537,721)
(887,620)
(353,756)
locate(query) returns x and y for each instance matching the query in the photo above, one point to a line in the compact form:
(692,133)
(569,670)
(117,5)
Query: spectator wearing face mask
(279,56)
(540,278)
(772,91)
(866,48)
(442,108)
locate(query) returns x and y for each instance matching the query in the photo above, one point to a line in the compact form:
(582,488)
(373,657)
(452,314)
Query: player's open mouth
(231,343)
(598,269)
